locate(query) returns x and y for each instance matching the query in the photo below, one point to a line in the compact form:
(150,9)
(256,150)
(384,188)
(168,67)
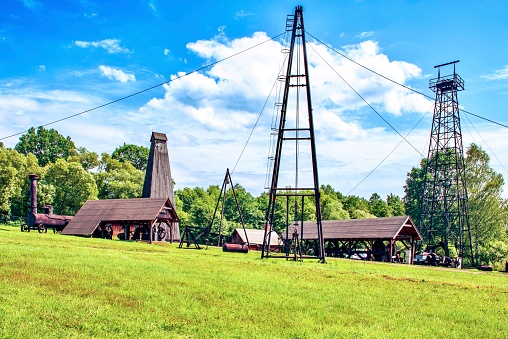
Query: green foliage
(488,209)
(118,180)
(137,156)
(86,158)
(378,206)
(413,190)
(14,183)
(361,214)
(73,287)
(354,203)
(395,205)
(73,186)
(331,206)
(252,215)
(46,145)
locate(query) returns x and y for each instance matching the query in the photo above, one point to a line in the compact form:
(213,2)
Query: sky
(61,58)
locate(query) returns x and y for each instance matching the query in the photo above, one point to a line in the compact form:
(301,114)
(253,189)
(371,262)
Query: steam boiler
(42,221)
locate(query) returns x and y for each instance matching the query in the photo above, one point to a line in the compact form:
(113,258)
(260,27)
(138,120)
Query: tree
(252,216)
(378,206)
(118,180)
(488,210)
(14,183)
(354,203)
(73,186)
(86,158)
(395,205)
(46,145)
(331,206)
(137,156)
(413,190)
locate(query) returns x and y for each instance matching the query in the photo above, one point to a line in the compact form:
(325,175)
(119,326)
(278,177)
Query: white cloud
(242,14)
(365,34)
(90,15)
(31,4)
(166,51)
(41,68)
(499,74)
(208,116)
(110,45)
(116,74)
(151,4)
(212,114)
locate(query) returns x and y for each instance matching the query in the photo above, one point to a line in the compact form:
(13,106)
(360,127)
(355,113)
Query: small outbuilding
(151,219)
(382,239)
(255,239)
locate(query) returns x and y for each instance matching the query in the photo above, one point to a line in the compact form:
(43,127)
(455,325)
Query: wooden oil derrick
(158,180)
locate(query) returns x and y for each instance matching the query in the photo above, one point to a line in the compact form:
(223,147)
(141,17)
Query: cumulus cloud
(499,74)
(216,109)
(116,74)
(110,45)
(209,115)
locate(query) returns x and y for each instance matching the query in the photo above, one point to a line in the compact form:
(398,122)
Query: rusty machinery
(42,221)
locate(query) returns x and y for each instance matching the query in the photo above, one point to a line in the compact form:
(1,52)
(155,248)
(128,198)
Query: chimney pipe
(33,192)
(48,209)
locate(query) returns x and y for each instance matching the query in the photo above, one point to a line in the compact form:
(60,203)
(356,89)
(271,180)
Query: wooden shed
(255,239)
(382,239)
(151,219)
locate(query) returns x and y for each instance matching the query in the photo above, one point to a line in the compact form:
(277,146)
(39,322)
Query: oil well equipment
(42,221)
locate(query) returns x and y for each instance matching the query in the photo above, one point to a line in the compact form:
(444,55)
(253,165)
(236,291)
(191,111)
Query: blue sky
(59,58)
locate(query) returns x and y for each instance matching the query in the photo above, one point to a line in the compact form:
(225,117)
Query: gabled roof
(357,229)
(158,136)
(256,236)
(93,212)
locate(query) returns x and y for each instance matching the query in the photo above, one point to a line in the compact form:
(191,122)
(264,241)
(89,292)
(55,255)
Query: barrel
(235,248)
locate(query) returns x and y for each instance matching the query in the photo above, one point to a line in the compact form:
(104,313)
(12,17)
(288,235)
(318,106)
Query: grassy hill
(59,286)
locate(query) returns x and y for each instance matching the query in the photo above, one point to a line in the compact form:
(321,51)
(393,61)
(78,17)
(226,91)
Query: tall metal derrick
(293,131)
(444,219)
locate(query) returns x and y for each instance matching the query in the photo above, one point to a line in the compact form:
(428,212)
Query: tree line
(70,175)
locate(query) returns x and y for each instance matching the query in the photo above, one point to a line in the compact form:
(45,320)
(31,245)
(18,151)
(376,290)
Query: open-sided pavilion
(382,239)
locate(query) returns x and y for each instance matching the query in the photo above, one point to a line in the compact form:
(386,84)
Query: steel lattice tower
(444,218)
(297,130)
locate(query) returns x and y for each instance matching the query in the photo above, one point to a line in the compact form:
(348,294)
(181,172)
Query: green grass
(60,286)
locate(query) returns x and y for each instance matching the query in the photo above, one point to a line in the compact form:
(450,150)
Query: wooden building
(255,239)
(382,239)
(150,219)
(158,180)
